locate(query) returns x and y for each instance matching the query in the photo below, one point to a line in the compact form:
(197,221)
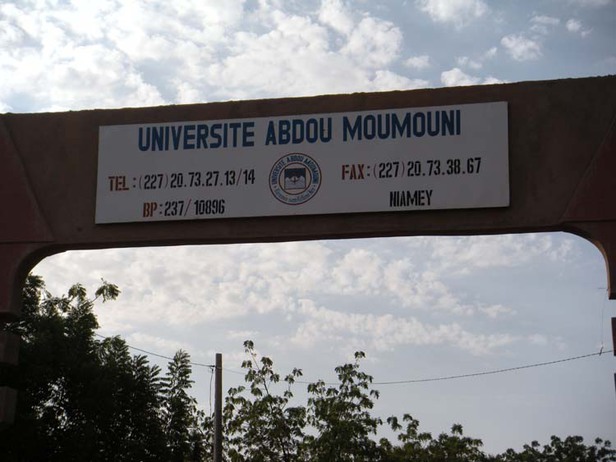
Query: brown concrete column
(14,265)
(22,226)
(592,209)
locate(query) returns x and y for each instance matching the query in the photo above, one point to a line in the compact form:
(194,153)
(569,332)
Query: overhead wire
(170,358)
(496,371)
(409,381)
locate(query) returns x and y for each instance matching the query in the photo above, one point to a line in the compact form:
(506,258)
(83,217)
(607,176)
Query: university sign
(451,157)
(512,158)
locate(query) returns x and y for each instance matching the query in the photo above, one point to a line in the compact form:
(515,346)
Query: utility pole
(218,409)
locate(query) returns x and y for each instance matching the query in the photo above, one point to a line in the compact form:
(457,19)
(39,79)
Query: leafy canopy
(84,398)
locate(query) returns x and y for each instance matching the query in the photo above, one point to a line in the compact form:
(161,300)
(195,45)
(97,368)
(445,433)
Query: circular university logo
(295,178)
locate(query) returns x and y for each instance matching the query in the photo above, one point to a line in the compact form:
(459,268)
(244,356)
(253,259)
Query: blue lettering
(384,130)
(176,133)
(351,131)
(234,127)
(434,123)
(202,131)
(326,132)
(248,134)
(369,127)
(298,131)
(270,138)
(158,137)
(284,132)
(312,133)
(458,124)
(419,124)
(189,137)
(144,146)
(448,122)
(404,128)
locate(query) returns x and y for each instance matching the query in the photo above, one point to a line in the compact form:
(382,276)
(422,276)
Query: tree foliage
(571,449)
(83,398)
(341,416)
(336,424)
(182,419)
(260,425)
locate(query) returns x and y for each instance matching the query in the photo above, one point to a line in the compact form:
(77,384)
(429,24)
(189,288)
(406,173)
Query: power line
(475,374)
(496,371)
(159,355)
(409,381)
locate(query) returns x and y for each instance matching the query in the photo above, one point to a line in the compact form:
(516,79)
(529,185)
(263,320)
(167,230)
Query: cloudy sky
(419,307)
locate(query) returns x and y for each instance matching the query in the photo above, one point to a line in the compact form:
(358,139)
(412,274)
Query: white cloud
(493,81)
(477,61)
(521,48)
(359,271)
(226,283)
(418,62)
(197,285)
(466,61)
(456,77)
(336,15)
(575,26)
(491,53)
(386,332)
(381,295)
(296,56)
(421,290)
(4,108)
(544,340)
(546,20)
(141,54)
(386,80)
(498,251)
(62,55)
(494,311)
(543,24)
(457,12)
(374,41)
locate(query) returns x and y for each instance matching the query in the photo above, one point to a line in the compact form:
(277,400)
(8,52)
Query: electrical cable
(211,366)
(234,371)
(497,371)
(410,381)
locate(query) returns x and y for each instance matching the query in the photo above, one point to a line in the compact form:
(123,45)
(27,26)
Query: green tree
(412,443)
(182,420)
(337,425)
(571,449)
(86,399)
(341,417)
(260,425)
(455,447)
(129,403)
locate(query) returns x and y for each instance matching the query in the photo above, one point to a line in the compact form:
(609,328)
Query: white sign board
(447,157)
